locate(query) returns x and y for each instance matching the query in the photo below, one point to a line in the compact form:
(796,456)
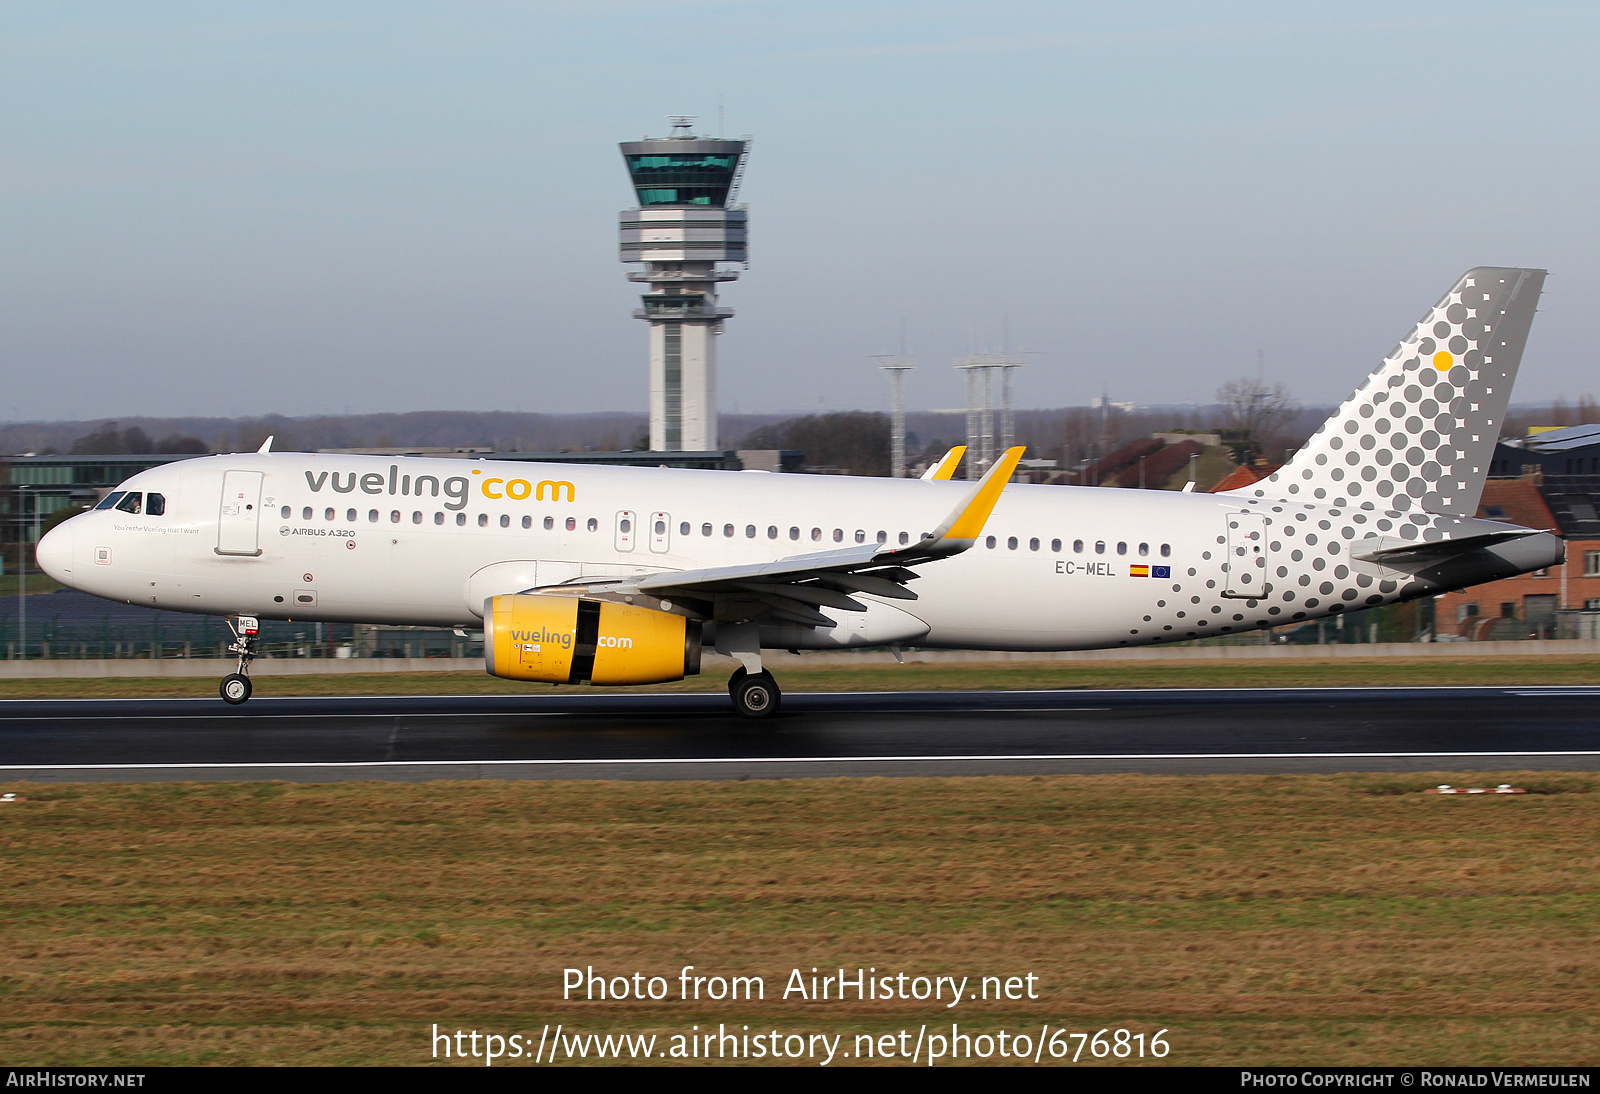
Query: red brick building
(1520,607)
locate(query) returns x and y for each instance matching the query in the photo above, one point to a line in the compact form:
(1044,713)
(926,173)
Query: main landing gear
(235,687)
(754,694)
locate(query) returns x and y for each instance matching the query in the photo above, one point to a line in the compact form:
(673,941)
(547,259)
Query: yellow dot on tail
(1442,361)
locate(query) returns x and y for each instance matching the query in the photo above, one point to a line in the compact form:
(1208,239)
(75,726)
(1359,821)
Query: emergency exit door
(239,520)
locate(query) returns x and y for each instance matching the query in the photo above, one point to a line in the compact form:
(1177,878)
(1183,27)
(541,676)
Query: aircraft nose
(54,553)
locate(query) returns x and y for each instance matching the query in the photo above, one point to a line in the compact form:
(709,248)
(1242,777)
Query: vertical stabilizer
(1420,432)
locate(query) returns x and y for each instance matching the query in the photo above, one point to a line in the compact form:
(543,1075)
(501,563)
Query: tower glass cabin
(683,226)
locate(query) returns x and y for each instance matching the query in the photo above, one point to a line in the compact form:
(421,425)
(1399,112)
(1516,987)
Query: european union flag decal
(1161,571)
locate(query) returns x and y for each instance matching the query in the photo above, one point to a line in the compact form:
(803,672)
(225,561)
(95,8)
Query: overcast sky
(299,208)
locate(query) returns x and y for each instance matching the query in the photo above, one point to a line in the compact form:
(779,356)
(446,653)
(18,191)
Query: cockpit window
(130,502)
(111,499)
(155,505)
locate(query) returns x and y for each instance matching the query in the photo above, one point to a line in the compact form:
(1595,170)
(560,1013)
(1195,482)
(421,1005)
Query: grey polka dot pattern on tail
(1419,433)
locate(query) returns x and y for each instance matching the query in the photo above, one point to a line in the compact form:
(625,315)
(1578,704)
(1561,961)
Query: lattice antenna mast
(897,368)
(980,369)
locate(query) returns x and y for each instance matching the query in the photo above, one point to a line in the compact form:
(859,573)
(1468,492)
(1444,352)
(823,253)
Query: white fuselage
(407,540)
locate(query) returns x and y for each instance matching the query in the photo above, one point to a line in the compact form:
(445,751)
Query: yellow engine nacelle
(565,640)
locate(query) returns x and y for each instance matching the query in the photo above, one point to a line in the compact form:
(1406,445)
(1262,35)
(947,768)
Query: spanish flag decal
(1138,571)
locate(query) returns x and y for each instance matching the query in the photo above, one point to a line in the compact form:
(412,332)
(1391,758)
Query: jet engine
(566,640)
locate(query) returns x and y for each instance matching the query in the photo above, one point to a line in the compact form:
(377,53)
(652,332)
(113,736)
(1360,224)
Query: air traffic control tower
(685,224)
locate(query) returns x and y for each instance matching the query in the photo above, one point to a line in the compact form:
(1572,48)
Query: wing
(794,589)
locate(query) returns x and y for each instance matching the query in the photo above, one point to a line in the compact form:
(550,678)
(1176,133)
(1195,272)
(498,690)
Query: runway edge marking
(297,764)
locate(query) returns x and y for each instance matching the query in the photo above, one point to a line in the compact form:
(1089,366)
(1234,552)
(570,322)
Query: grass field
(1271,919)
(887,676)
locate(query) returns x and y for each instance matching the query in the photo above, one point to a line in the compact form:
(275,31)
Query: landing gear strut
(754,694)
(235,686)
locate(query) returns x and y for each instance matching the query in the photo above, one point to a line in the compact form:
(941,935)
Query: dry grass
(1272,919)
(936,676)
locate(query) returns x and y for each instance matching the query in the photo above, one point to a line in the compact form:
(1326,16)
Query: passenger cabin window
(132,502)
(727,531)
(111,499)
(1055,545)
(505,520)
(1077,546)
(1011,543)
(461,519)
(1122,548)
(1033,545)
(372,516)
(286,511)
(549,523)
(1144,549)
(1100,547)
(305,514)
(683,529)
(593,525)
(794,533)
(527,522)
(328,515)
(705,529)
(438,518)
(905,538)
(155,505)
(350,515)
(1166,550)
(483,521)
(989,542)
(572,524)
(749,531)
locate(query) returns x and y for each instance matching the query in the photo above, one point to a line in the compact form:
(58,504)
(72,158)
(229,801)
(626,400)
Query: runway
(591,735)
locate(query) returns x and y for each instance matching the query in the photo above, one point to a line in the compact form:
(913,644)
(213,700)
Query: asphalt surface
(590,735)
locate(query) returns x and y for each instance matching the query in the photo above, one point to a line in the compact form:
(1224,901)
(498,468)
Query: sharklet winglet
(965,523)
(946,467)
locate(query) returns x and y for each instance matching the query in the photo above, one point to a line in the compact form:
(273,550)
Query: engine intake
(565,640)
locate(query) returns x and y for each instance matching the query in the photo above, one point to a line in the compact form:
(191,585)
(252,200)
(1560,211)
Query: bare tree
(1261,411)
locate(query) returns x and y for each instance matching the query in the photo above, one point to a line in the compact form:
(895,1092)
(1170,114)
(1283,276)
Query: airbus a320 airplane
(618,575)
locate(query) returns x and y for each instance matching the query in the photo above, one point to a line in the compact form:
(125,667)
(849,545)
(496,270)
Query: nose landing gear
(235,687)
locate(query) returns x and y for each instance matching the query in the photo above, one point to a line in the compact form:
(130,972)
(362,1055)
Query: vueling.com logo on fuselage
(455,487)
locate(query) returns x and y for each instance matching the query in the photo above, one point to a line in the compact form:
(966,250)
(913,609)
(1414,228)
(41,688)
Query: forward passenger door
(239,519)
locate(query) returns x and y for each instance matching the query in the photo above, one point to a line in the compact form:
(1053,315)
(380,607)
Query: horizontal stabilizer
(1444,548)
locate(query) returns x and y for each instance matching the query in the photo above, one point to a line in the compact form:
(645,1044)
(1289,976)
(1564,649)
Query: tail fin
(1420,432)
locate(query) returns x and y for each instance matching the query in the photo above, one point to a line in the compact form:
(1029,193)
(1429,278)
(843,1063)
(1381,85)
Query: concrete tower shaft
(682,227)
